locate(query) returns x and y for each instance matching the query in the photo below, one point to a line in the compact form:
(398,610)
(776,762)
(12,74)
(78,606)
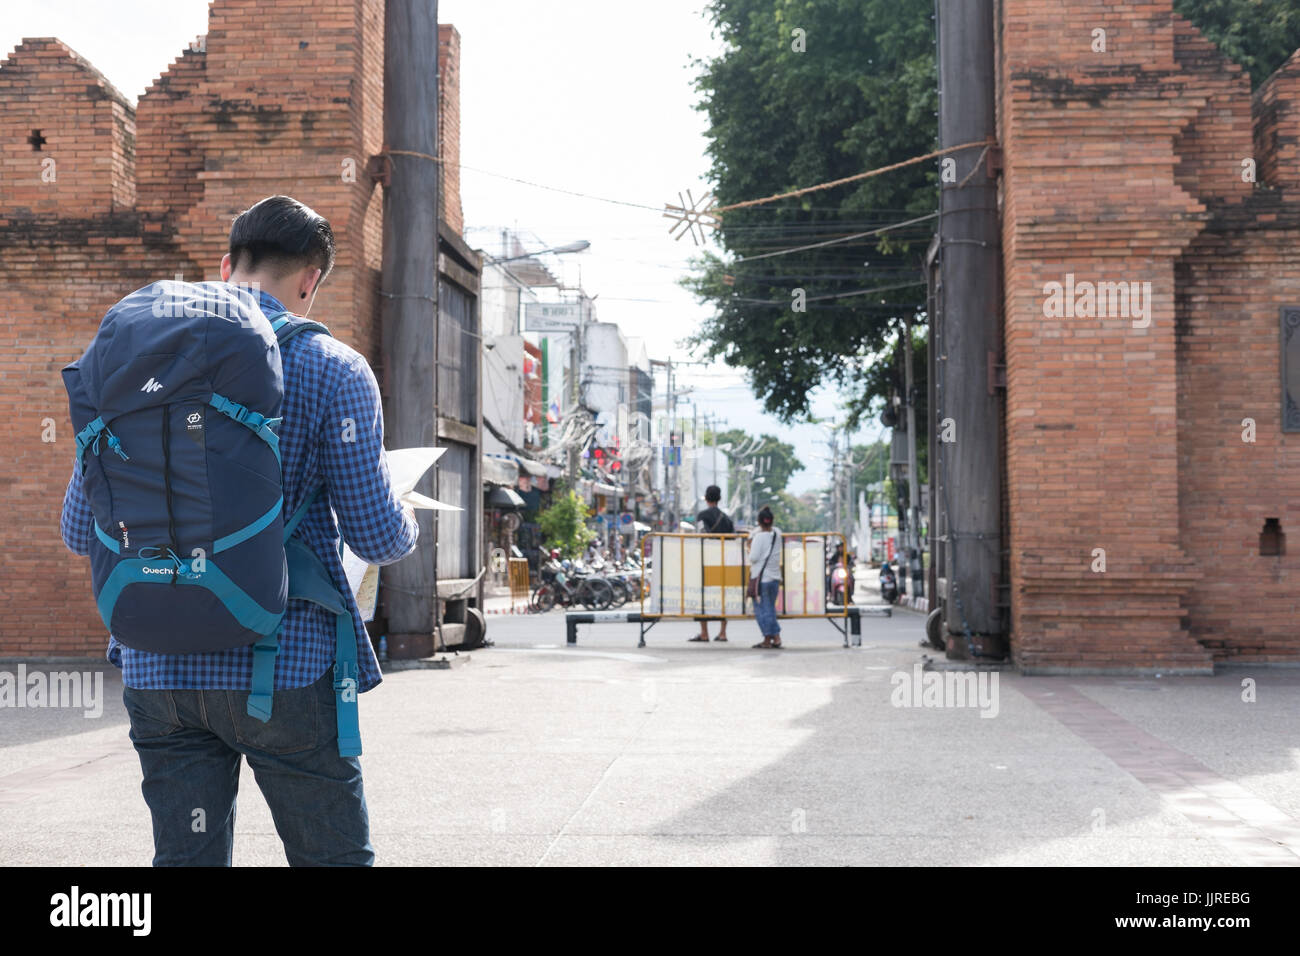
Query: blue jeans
(190,743)
(765,610)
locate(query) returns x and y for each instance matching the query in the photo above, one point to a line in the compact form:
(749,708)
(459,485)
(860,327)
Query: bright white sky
(592,96)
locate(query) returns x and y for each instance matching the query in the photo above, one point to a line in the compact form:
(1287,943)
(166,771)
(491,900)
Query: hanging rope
(850,179)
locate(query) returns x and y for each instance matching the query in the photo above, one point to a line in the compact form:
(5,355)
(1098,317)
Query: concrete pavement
(535,753)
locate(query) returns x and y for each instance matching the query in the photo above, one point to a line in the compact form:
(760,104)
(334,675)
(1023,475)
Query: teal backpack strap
(299,513)
(265,651)
(284,329)
(263,684)
(347,675)
(310,581)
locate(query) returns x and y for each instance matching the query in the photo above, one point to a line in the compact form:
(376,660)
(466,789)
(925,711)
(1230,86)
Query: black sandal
(766,642)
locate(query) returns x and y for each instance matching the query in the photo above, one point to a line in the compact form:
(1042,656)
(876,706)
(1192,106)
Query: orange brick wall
(1277,144)
(449,124)
(86,165)
(1117,166)
(270,101)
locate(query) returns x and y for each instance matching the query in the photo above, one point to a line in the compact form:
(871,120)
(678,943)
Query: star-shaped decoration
(691,214)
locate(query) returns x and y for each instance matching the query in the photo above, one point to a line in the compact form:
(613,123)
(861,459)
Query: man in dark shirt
(713,520)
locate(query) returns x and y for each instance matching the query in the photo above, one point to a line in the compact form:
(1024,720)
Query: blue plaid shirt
(325,382)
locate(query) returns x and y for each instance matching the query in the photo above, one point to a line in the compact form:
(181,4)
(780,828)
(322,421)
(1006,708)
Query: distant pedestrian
(765,568)
(713,520)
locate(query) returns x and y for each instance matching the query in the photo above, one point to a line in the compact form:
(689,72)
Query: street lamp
(578,246)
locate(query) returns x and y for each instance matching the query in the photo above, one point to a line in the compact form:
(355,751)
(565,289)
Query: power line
(557,189)
(838,295)
(831,242)
(717,210)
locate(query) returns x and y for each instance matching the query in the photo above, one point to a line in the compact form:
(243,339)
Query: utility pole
(853,493)
(669,474)
(913,467)
(575,389)
(410,289)
(667,504)
(846,479)
(835,480)
(968,308)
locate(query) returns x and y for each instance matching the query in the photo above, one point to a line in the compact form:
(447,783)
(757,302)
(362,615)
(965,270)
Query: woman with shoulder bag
(765,578)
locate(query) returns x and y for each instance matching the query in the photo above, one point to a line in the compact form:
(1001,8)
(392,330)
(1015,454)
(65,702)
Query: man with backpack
(713,520)
(211,499)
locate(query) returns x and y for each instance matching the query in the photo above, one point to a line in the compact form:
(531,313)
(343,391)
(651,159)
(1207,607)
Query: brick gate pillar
(1093,220)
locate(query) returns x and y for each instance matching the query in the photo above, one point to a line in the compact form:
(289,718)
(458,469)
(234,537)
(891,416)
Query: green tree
(1258,35)
(564,523)
(791,513)
(861,95)
(887,379)
(779,461)
(872,464)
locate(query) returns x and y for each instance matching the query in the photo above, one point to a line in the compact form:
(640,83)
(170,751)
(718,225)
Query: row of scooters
(569,584)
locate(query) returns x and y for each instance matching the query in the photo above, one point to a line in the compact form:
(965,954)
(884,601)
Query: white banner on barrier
(696,575)
(804,589)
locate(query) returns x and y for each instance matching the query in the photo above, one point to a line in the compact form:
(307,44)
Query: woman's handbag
(752,590)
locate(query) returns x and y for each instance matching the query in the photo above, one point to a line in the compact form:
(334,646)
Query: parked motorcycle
(841,585)
(888,584)
(569,586)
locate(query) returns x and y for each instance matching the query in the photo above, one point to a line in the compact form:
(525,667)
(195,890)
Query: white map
(406,466)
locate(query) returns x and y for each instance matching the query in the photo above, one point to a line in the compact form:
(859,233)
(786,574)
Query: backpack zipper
(167,483)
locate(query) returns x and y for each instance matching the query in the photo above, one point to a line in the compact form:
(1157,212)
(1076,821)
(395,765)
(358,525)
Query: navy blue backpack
(175,402)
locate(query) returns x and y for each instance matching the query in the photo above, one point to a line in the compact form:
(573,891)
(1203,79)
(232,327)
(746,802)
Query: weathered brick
(274,98)
(1127,166)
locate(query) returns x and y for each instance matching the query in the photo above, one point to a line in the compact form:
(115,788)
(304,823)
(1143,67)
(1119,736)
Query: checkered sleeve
(371,519)
(75,522)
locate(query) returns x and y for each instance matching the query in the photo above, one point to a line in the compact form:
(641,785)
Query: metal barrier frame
(648,619)
(854,614)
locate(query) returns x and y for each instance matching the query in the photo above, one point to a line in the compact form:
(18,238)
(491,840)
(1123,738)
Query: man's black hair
(713,494)
(284,235)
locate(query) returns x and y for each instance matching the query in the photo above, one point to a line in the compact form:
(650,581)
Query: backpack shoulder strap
(285,328)
(300,512)
(309,581)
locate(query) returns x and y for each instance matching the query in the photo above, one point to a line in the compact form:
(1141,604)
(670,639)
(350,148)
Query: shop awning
(504,499)
(499,471)
(534,468)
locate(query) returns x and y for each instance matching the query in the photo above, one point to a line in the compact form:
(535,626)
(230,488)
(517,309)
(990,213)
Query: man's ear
(310,281)
(225,268)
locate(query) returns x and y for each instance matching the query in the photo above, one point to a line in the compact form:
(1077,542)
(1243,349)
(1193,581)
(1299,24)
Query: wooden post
(410,294)
(971,331)
(933,533)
